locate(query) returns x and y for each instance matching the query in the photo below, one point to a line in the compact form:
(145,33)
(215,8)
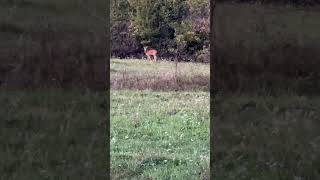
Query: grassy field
(52,134)
(256,136)
(162,130)
(158,133)
(161,75)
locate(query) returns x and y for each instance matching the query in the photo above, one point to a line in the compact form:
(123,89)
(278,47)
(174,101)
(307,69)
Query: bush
(203,56)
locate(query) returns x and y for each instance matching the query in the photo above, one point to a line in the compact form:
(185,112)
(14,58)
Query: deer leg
(155,58)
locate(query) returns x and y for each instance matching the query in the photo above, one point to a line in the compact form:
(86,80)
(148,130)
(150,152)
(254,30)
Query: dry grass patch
(162,75)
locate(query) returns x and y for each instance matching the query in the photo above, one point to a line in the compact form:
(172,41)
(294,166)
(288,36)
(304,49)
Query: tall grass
(161,75)
(159,120)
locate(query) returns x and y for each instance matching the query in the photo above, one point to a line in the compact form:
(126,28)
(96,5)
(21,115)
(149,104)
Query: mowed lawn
(158,134)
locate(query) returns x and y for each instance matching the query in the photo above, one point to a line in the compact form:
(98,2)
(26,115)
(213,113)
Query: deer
(151,52)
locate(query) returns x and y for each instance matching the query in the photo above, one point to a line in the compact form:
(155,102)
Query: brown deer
(151,52)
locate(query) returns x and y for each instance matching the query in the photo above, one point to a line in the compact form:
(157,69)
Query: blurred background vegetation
(266,46)
(47,132)
(260,45)
(53,43)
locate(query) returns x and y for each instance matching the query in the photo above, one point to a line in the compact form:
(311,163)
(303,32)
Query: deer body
(151,52)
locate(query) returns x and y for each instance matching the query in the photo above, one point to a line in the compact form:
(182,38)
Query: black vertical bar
(108,89)
(212,66)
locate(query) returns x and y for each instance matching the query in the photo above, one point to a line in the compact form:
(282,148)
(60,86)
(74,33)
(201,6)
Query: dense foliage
(173,27)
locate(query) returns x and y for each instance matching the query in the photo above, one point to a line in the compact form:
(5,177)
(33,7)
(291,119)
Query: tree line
(176,28)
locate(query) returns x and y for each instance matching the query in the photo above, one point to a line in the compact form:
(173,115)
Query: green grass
(256,136)
(159,135)
(55,134)
(52,134)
